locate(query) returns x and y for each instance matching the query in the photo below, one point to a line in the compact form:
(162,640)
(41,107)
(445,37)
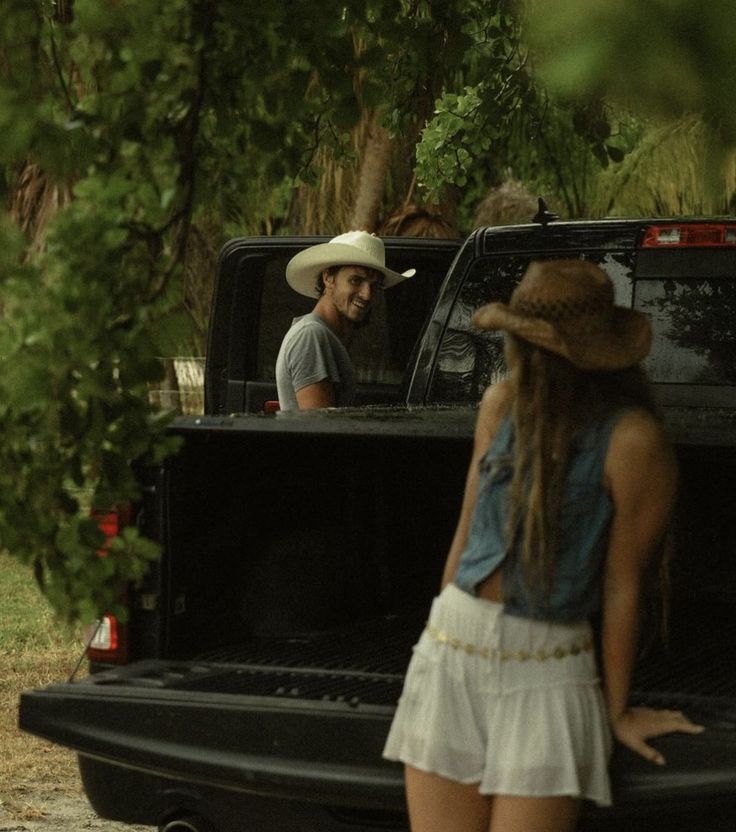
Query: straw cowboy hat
(566,307)
(355,248)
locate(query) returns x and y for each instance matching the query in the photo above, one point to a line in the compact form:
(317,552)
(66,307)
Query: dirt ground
(40,788)
(44,809)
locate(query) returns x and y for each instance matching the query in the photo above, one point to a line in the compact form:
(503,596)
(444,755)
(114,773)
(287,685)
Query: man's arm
(313,396)
(312,367)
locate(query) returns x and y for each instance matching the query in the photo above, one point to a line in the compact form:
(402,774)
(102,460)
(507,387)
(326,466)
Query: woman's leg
(437,804)
(534,814)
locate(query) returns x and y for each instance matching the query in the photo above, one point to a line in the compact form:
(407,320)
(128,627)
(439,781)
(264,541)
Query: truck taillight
(108,638)
(111,522)
(690,235)
(108,641)
(105,634)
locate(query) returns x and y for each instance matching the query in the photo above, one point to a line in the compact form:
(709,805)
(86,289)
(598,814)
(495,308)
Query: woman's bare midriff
(490,588)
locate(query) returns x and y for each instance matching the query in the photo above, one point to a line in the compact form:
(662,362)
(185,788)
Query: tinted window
(380,351)
(468,359)
(694,324)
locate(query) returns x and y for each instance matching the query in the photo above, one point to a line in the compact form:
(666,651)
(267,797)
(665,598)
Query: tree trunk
(374,161)
(35,200)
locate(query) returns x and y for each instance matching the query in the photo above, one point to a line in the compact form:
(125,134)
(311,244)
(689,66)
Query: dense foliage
(126,127)
(121,123)
(664,57)
(665,60)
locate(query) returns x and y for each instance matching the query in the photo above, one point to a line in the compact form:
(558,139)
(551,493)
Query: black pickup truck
(253,686)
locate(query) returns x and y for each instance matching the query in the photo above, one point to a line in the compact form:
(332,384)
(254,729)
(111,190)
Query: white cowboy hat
(354,248)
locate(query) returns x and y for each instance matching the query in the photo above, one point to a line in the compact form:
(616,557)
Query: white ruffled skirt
(510,703)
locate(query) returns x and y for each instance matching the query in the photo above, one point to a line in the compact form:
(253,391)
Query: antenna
(544,216)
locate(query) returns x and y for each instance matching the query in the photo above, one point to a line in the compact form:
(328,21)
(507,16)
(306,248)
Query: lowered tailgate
(317,733)
(276,731)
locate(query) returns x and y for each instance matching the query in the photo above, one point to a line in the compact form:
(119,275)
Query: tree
(499,123)
(666,61)
(668,172)
(148,114)
(140,121)
(408,58)
(666,57)
(133,134)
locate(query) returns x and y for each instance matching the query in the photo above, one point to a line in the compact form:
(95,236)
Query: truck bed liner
(365,664)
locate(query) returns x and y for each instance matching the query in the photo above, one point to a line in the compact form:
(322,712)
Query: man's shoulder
(309,337)
(309,323)
(308,327)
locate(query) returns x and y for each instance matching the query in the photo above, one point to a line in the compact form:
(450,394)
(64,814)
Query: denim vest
(585,517)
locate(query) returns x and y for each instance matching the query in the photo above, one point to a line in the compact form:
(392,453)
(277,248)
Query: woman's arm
(493,407)
(641,475)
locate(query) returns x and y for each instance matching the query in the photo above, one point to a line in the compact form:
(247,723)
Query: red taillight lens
(109,524)
(109,642)
(104,635)
(109,637)
(700,235)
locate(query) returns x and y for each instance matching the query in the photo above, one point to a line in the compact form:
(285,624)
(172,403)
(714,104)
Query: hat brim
(305,267)
(623,343)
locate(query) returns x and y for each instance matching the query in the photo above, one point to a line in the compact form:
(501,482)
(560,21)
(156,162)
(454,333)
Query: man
(313,368)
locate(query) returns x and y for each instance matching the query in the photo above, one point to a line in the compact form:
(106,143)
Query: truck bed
(313,711)
(286,639)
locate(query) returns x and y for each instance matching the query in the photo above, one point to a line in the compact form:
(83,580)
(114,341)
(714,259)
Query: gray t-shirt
(310,353)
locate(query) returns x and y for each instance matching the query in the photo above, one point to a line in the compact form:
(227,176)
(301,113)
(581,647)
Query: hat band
(557,310)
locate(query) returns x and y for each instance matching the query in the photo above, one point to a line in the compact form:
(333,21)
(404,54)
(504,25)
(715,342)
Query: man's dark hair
(319,287)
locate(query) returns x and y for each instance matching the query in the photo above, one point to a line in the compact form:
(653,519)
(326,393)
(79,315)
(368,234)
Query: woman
(503,723)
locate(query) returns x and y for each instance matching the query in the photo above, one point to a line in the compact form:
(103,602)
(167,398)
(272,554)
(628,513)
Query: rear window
(468,359)
(689,295)
(694,323)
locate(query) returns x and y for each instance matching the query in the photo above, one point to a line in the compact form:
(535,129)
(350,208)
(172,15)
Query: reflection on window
(694,325)
(469,360)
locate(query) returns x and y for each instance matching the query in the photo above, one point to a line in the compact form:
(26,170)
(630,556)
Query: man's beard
(364,321)
(361,322)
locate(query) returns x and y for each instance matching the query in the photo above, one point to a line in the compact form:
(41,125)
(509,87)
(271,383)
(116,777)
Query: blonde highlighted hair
(551,401)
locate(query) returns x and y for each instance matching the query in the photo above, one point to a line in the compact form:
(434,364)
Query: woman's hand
(634,726)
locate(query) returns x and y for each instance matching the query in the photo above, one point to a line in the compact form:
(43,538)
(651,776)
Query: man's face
(352,290)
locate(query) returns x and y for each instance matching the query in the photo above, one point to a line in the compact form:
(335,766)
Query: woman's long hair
(552,400)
